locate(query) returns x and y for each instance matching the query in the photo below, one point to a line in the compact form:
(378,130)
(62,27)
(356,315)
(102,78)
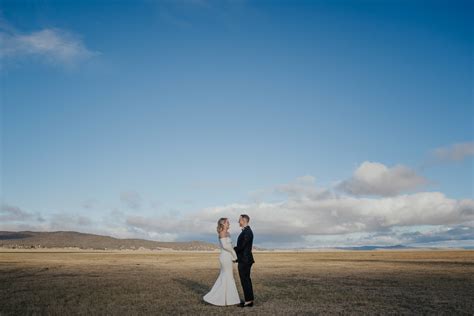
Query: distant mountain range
(400,247)
(72,239)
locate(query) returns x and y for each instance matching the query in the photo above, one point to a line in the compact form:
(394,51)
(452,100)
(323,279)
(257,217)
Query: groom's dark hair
(247,218)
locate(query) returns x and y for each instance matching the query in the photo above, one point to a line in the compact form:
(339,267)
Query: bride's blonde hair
(220,224)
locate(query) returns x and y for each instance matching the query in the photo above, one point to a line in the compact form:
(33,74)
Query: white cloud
(455,152)
(345,214)
(52,45)
(373,178)
(304,213)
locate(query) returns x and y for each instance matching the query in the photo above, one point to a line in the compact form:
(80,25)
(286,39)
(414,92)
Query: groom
(245,259)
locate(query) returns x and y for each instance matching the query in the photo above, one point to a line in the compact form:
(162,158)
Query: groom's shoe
(245,304)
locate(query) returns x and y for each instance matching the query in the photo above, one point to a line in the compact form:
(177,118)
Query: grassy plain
(285,283)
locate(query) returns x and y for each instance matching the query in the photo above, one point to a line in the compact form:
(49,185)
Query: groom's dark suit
(245,260)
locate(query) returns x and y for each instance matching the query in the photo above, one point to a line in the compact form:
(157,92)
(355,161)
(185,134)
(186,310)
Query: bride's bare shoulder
(223,235)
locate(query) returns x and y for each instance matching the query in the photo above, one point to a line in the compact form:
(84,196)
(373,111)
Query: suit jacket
(244,246)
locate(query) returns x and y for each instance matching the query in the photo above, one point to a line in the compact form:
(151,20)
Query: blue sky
(152,119)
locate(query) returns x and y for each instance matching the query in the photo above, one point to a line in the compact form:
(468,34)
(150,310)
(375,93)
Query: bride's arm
(227,245)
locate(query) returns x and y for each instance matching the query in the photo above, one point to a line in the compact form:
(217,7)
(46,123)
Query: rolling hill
(68,239)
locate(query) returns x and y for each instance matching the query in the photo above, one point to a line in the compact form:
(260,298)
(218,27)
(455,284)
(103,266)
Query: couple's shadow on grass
(194,286)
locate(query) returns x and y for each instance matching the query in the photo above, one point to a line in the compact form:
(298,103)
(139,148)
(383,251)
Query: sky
(330,123)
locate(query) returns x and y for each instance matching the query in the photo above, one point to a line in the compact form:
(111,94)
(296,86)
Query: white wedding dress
(224,291)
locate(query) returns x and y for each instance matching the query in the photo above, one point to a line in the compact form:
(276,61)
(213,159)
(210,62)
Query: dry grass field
(285,283)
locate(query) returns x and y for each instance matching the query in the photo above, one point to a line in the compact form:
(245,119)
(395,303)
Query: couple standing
(224,290)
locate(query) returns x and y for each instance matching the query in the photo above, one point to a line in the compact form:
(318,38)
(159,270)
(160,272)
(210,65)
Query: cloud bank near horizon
(366,209)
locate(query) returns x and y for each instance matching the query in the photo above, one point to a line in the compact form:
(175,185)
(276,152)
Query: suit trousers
(245,280)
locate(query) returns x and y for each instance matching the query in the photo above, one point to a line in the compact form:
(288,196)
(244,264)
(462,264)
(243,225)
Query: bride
(224,290)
